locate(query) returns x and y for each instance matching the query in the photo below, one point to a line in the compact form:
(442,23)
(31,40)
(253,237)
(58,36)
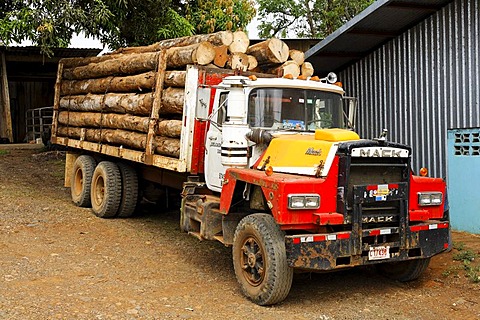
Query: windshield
(298,109)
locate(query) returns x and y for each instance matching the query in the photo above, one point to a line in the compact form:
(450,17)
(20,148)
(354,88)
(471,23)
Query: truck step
(196,234)
(219,238)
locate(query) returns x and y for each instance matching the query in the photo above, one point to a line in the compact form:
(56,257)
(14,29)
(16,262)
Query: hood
(304,153)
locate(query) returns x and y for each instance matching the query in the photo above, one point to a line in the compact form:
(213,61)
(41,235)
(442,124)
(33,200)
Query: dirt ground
(58,261)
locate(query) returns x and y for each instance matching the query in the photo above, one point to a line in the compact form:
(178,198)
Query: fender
(276,189)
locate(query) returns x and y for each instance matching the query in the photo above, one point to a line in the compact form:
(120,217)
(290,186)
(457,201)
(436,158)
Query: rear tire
(129,198)
(404,271)
(81,180)
(106,189)
(260,260)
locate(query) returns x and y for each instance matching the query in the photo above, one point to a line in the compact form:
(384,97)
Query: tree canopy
(117,23)
(306,18)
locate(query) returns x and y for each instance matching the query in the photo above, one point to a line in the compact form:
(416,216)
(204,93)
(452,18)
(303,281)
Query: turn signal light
(339,84)
(269,171)
(423,172)
(252,77)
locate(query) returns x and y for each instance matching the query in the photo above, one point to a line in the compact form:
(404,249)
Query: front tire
(81,180)
(404,271)
(106,190)
(260,260)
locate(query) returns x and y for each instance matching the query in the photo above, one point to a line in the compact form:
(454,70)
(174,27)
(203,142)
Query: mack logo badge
(380,152)
(311,151)
(377,219)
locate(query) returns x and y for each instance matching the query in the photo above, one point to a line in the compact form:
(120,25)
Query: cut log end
(297,56)
(307,69)
(205,53)
(240,42)
(221,56)
(271,51)
(238,61)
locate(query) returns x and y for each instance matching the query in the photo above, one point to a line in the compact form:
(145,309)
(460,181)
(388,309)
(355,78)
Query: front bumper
(339,250)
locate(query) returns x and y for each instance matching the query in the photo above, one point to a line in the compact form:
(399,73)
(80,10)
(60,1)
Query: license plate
(379,253)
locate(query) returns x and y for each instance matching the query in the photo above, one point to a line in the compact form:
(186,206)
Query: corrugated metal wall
(421,83)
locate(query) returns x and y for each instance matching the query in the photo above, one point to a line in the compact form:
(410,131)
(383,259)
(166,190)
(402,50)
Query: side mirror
(350,111)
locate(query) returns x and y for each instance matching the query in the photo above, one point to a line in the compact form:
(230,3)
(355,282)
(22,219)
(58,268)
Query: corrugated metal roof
(16,53)
(379,23)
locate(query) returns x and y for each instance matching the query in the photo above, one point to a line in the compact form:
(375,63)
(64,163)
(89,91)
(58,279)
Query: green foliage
(117,23)
(177,26)
(459,246)
(306,18)
(3,152)
(216,15)
(467,257)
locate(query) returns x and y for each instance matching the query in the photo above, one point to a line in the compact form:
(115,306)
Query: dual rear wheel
(111,189)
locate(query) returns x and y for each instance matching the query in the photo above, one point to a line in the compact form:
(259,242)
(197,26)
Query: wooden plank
(157,104)
(70,159)
(123,153)
(6,131)
(56,102)
(169,163)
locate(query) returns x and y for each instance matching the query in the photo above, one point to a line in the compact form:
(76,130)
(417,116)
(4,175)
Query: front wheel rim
(252,261)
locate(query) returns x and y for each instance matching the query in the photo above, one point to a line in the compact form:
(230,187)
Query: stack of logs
(134,97)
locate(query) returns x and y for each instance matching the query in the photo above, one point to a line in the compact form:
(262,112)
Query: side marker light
(423,172)
(269,171)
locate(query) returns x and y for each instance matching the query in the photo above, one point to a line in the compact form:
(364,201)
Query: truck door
(214,170)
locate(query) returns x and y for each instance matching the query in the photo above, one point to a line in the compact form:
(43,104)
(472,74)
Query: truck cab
(289,185)
(275,106)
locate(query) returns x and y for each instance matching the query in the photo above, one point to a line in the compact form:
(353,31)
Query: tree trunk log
(175,79)
(141,82)
(297,56)
(165,127)
(205,53)
(172,101)
(167,146)
(307,69)
(252,62)
(270,51)
(221,56)
(169,128)
(238,61)
(289,67)
(181,56)
(240,42)
(121,65)
(132,103)
(221,38)
(107,120)
(129,139)
(164,146)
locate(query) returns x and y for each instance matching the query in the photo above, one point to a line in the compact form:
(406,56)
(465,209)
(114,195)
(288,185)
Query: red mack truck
(268,166)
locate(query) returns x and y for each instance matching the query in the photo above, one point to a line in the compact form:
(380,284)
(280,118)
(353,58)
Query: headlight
(303,201)
(430,198)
